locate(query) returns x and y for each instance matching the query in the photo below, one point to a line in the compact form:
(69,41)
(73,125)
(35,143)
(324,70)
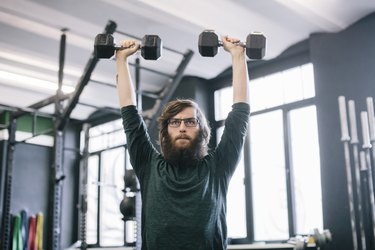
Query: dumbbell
(131,181)
(209,42)
(151,46)
(127,207)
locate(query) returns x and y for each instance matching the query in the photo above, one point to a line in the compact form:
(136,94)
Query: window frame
(296,57)
(99,153)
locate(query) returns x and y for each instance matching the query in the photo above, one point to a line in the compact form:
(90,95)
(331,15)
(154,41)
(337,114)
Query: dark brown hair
(173,108)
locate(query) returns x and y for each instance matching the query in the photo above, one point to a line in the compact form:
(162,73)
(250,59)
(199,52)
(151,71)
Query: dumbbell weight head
(255,45)
(130,181)
(127,207)
(104,46)
(151,48)
(208,43)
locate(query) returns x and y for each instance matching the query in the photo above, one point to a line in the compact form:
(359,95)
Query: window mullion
(289,174)
(248,193)
(99,198)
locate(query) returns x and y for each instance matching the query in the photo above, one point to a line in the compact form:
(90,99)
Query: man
(184,188)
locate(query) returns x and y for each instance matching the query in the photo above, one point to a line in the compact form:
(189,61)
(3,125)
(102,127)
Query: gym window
(105,184)
(283,166)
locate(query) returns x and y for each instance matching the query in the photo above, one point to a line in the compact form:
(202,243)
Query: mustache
(186,137)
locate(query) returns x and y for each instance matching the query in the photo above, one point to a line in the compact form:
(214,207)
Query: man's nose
(182,126)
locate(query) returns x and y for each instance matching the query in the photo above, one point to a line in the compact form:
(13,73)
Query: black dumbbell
(127,207)
(151,46)
(209,42)
(131,181)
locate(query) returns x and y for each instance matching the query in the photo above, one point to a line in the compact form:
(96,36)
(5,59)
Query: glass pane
(273,91)
(268,177)
(92,199)
(106,135)
(223,103)
(308,80)
(258,94)
(281,88)
(306,169)
(293,90)
(111,186)
(236,202)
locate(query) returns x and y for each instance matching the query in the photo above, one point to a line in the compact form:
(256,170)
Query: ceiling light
(28,82)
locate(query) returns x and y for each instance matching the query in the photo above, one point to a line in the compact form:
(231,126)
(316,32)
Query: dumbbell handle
(242,44)
(123,47)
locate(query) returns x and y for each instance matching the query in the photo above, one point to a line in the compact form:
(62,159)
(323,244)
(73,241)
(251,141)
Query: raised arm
(240,77)
(125,86)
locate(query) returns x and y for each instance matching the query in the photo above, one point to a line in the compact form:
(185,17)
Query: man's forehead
(189,112)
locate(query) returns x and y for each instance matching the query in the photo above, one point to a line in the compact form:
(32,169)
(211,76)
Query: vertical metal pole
(57,166)
(366,147)
(138,218)
(6,229)
(138,84)
(289,173)
(345,139)
(83,197)
(371,123)
(354,142)
(57,178)
(366,202)
(34,125)
(138,199)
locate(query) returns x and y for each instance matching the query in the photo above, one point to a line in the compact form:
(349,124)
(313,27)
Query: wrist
(238,56)
(121,60)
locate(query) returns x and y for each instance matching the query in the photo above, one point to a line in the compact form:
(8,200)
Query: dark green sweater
(185,208)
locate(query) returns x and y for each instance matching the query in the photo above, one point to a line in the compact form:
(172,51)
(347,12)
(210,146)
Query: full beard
(181,156)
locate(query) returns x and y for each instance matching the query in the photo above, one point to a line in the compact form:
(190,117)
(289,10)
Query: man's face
(183,133)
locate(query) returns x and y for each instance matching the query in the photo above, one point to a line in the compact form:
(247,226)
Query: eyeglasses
(189,122)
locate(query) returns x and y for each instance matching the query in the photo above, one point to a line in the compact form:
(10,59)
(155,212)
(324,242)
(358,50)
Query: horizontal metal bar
(150,94)
(25,111)
(103,83)
(144,93)
(48,131)
(151,70)
(49,100)
(139,38)
(111,110)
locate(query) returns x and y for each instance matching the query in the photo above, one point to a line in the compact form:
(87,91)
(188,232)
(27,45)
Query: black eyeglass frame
(191,122)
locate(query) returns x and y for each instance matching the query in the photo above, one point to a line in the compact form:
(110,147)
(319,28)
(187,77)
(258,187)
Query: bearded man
(184,187)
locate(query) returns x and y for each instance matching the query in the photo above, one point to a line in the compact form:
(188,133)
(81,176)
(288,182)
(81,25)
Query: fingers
(130,44)
(127,48)
(232,45)
(230,39)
